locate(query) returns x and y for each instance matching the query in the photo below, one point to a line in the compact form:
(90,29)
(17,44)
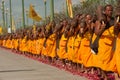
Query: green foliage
(88,6)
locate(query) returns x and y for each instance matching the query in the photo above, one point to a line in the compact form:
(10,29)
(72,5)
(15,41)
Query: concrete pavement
(18,67)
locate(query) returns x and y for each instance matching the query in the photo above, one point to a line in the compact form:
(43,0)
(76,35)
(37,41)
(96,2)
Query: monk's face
(109,11)
(67,29)
(88,19)
(64,22)
(82,30)
(82,26)
(72,31)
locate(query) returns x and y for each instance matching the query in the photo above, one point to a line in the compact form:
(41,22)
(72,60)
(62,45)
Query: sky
(59,5)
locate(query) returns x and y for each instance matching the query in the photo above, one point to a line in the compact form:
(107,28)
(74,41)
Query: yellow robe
(29,46)
(70,46)
(4,42)
(117,54)
(76,48)
(20,45)
(34,47)
(52,46)
(104,58)
(54,51)
(84,52)
(16,44)
(62,54)
(38,46)
(8,44)
(12,44)
(49,44)
(41,40)
(23,46)
(45,48)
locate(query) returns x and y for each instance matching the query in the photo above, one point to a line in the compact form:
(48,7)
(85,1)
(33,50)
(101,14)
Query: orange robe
(20,45)
(49,45)
(34,47)
(38,46)
(8,43)
(13,44)
(104,58)
(70,51)
(76,45)
(29,46)
(45,47)
(0,42)
(84,52)
(16,44)
(52,46)
(117,54)
(62,54)
(54,51)
(41,40)
(23,46)
(4,43)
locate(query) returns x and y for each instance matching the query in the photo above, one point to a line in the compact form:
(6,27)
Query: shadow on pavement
(17,70)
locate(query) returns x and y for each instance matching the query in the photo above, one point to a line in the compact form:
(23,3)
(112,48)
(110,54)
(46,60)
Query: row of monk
(86,40)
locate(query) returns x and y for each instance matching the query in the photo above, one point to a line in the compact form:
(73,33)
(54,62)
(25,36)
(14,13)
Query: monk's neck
(108,18)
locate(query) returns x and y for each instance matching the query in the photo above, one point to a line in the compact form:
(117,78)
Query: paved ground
(17,67)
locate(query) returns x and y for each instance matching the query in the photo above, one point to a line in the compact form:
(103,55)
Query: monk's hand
(103,25)
(117,26)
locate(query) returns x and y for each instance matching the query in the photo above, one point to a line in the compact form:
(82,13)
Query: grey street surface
(18,67)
